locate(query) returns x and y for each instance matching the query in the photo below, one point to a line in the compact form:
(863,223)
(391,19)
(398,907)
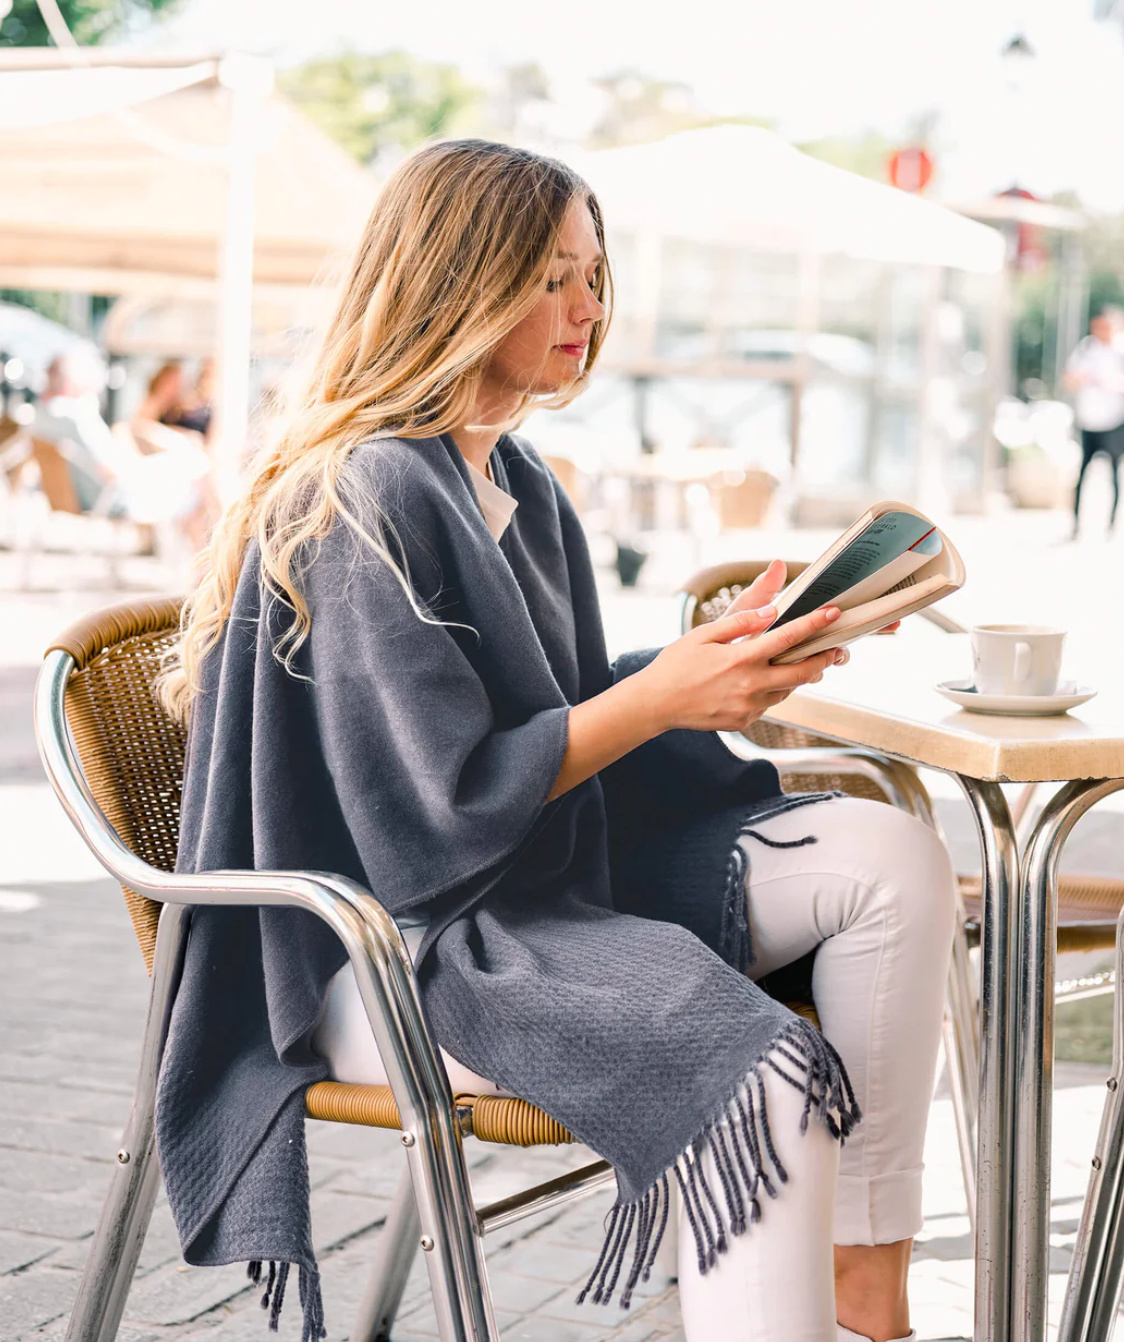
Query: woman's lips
(575,350)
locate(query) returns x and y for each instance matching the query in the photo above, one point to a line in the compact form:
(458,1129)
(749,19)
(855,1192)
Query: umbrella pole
(249,81)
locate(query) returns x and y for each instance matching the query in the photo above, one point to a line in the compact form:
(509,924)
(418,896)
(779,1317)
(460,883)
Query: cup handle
(1022,662)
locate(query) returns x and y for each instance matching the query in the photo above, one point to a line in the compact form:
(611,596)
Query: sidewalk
(72,992)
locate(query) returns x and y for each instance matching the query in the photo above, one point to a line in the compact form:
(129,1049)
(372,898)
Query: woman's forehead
(578,240)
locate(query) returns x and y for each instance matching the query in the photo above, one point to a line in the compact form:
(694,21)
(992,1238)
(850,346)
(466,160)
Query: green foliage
(867,154)
(90,21)
(46,302)
(1036,318)
(387,103)
(640,109)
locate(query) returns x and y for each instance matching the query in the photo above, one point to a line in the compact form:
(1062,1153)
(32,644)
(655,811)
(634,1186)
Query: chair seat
(489,1118)
(1088,907)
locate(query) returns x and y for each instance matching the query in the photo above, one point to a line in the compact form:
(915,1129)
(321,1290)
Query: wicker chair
(116,760)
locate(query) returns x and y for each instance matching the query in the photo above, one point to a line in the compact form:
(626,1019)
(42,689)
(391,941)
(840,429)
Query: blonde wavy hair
(455,254)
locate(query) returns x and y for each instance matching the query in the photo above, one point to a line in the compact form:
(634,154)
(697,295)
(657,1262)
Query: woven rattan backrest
(131,749)
(709,594)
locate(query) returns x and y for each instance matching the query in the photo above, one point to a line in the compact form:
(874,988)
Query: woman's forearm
(604,728)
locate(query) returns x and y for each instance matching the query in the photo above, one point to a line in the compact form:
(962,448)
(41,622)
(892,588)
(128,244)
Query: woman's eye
(553,286)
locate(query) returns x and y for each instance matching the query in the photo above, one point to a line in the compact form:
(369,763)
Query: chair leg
(458,1275)
(450,1233)
(965,1129)
(398,1247)
(1096,1275)
(127,1210)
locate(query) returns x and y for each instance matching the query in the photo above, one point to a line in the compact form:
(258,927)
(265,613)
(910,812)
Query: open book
(892,562)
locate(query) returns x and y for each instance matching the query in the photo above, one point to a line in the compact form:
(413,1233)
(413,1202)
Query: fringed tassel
(745,1158)
(734,941)
(273,1298)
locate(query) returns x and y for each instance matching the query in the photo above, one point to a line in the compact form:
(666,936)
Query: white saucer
(1069,694)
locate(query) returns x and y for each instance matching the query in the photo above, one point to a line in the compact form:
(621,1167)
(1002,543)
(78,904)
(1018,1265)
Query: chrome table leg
(1033,1012)
(1096,1274)
(996,1088)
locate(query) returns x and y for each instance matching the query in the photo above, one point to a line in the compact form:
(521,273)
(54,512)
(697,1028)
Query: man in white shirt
(1095,374)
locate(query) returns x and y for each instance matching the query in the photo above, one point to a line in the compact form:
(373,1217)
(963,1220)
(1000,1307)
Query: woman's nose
(592,309)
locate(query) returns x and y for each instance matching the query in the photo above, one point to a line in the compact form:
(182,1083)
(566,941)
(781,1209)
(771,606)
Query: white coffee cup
(1017,659)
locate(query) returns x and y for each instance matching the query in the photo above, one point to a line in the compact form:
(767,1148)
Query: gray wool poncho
(588,954)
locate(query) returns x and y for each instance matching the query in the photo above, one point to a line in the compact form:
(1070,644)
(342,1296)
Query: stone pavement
(72,992)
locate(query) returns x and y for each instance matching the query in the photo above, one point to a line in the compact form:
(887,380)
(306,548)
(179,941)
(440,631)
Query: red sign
(911,169)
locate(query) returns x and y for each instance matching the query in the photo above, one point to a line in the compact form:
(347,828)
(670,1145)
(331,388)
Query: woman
(395,670)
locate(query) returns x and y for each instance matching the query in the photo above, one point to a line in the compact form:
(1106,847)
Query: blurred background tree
(867,153)
(383,105)
(90,21)
(1035,294)
(639,108)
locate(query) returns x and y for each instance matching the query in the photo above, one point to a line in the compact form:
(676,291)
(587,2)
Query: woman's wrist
(652,702)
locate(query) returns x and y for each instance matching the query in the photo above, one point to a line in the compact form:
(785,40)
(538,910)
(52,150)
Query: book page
(856,573)
(897,573)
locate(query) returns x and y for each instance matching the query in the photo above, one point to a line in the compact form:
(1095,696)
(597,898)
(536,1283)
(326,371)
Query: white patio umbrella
(170,177)
(743,184)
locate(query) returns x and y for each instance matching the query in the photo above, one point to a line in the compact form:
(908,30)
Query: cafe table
(884,701)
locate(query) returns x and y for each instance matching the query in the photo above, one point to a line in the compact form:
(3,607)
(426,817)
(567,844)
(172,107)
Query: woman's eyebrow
(573,256)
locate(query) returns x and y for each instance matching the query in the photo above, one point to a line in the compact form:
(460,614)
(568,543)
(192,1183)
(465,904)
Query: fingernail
(767,612)
(832,613)
(842,657)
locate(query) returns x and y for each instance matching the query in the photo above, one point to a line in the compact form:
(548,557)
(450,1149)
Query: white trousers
(875,894)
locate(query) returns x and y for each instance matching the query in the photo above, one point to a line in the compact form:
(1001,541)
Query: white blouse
(496,504)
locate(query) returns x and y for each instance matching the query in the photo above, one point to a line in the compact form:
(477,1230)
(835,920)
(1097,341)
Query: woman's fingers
(762,590)
(777,641)
(740,624)
(795,674)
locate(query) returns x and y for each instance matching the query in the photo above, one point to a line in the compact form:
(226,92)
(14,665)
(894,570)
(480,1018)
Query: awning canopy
(744,185)
(113,180)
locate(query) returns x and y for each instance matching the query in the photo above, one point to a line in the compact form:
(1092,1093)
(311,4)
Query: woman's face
(169,385)
(547,349)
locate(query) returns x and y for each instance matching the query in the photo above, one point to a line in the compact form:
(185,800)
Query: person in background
(170,404)
(165,395)
(197,410)
(1095,376)
(110,471)
(69,418)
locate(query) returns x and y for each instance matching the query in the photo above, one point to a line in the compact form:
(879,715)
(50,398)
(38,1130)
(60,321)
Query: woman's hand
(765,589)
(718,677)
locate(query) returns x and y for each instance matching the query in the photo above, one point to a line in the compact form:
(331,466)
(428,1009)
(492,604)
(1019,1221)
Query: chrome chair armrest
(369,934)
(899,781)
(942,621)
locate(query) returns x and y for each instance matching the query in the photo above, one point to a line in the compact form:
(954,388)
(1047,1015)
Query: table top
(884,699)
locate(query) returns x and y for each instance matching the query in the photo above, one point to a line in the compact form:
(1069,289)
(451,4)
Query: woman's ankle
(846,1335)
(870,1290)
